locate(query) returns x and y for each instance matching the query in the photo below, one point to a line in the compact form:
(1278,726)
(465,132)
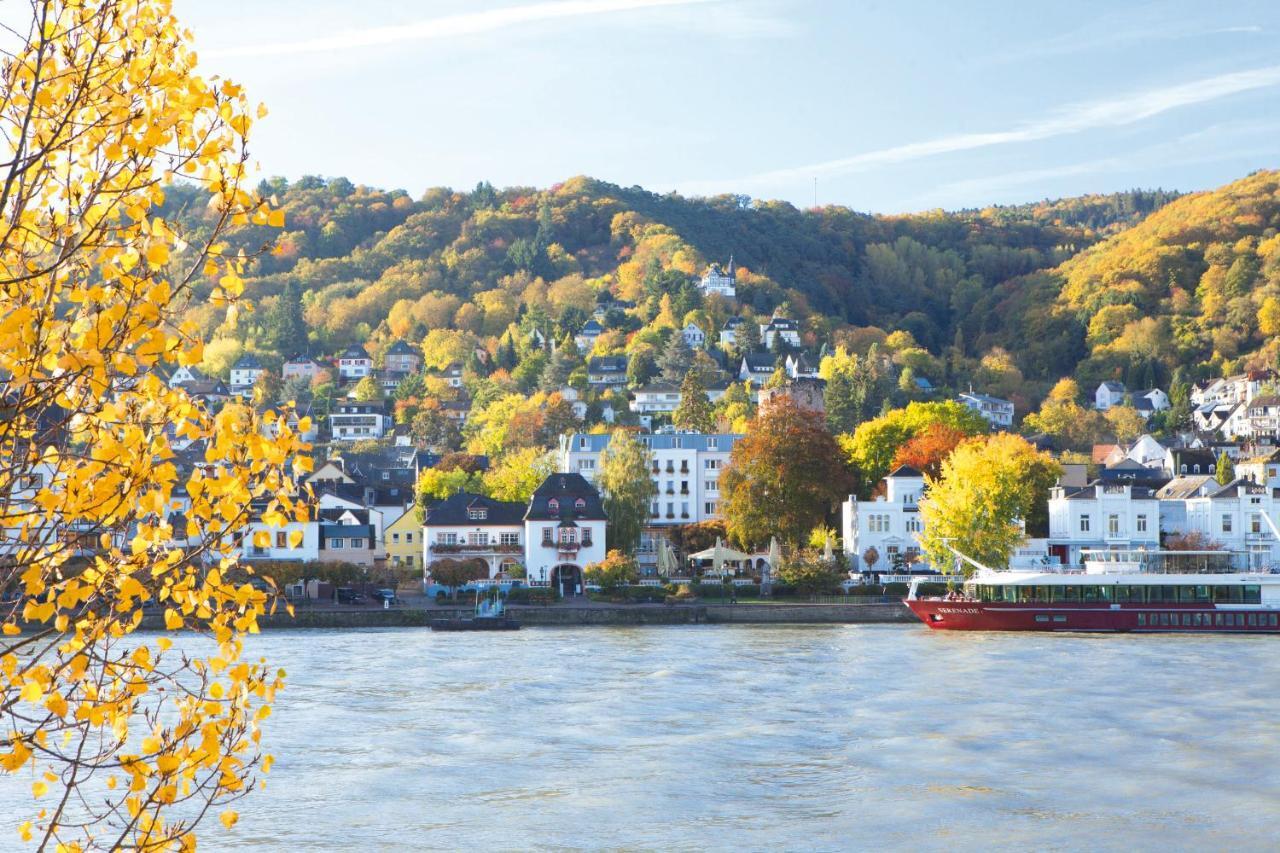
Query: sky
(883,106)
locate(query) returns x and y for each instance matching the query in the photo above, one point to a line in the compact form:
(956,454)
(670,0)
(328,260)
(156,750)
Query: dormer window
(580,504)
(553,505)
(477,513)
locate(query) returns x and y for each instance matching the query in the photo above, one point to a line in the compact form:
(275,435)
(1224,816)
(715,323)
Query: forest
(1131,286)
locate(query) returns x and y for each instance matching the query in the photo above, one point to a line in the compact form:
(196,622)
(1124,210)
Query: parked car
(386,595)
(347,595)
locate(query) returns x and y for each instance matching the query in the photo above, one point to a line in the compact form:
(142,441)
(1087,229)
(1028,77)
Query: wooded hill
(1130,286)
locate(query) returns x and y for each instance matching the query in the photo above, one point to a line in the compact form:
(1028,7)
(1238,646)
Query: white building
(657,398)
(183,375)
(729,334)
(997,412)
(354,363)
(799,367)
(467,526)
(693,336)
(780,328)
(890,523)
(722,283)
(564,530)
(607,371)
(1232,516)
(1110,393)
(244,373)
(352,421)
(301,366)
(263,542)
(1102,515)
(586,337)
(757,367)
(1262,417)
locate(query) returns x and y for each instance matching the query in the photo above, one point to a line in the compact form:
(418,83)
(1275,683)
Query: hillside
(371,266)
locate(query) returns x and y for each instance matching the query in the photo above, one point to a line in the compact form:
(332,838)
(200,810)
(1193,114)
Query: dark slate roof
(330,515)
(1112,385)
(401,348)
(567,489)
(905,471)
(758,362)
(658,388)
(782,324)
(1181,488)
(733,322)
(591,327)
(248,361)
(452,511)
(355,352)
(1091,491)
(607,364)
(1265,400)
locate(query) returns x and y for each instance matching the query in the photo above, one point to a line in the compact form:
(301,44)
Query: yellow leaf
(10,629)
(39,789)
(172,619)
(229,818)
(32,692)
(276,218)
(158,254)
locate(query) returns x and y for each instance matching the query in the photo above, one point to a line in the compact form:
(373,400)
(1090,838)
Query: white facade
(658,398)
(997,412)
(685,467)
(890,524)
(779,328)
(1232,517)
(244,373)
(1102,515)
(263,542)
(719,282)
(358,421)
(1108,394)
(355,363)
(693,336)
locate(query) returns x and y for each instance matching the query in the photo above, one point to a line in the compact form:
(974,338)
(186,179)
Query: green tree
(615,570)
(735,408)
(988,484)
(367,390)
(784,477)
(809,575)
(694,411)
(873,445)
(627,488)
(563,362)
(1226,469)
(287,330)
(676,359)
(518,473)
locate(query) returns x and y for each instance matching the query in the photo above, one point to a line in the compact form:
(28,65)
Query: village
(1204,485)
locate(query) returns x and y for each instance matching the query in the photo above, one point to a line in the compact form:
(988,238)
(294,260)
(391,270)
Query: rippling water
(807,738)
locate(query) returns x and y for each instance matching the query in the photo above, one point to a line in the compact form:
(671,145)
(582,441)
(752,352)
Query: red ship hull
(962,615)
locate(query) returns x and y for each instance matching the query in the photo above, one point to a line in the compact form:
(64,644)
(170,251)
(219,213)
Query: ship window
(1142,619)
(1059,619)
(1042,618)
(1089,593)
(1070,593)
(1218,619)
(1253,620)
(1273,620)
(1239,620)
(1164,618)
(1253,594)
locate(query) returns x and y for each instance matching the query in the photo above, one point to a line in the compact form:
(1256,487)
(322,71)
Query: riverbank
(589,614)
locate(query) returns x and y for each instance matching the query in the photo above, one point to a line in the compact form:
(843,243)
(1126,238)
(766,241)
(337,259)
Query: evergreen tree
(563,362)
(507,358)
(694,411)
(844,402)
(641,369)
(1226,469)
(627,488)
(676,359)
(286,328)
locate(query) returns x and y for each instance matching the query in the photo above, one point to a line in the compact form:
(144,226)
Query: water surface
(807,738)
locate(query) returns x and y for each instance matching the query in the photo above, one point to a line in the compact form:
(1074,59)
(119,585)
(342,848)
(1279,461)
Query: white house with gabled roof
(889,523)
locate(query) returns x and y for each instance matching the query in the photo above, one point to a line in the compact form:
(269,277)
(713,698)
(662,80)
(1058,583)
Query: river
(805,738)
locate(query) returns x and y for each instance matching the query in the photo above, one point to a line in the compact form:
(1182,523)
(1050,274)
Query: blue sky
(892,106)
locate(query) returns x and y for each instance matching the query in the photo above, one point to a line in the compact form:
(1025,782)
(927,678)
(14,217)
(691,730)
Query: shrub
(895,589)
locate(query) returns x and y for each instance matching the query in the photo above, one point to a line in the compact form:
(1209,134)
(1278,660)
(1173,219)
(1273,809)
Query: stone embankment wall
(564,615)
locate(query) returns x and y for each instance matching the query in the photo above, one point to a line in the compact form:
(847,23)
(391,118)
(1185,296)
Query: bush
(867,590)
(441,596)
(532,595)
(895,590)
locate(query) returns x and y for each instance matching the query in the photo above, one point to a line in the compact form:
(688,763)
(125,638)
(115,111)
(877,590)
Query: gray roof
(607,364)
(567,490)
(453,511)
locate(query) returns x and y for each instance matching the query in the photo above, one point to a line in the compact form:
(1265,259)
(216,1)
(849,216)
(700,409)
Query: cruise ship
(1135,590)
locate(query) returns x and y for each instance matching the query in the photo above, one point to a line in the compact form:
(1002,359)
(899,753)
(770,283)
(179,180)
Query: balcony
(476,548)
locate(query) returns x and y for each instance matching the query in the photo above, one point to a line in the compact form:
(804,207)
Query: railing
(474,547)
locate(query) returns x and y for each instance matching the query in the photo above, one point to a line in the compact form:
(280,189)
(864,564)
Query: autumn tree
(1126,422)
(1225,471)
(927,451)
(695,411)
(517,475)
(129,742)
(367,390)
(1062,418)
(627,488)
(874,443)
(455,573)
(615,570)
(988,485)
(783,477)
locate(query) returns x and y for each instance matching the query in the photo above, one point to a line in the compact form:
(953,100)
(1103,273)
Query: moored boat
(1139,591)
(490,615)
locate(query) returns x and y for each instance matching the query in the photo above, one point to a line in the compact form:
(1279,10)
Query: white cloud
(450,26)
(1115,112)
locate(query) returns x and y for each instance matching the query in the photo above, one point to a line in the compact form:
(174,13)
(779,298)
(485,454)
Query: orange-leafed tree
(926,451)
(784,477)
(129,742)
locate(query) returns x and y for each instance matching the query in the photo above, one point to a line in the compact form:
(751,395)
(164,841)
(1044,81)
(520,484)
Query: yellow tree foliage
(1269,317)
(131,744)
(987,485)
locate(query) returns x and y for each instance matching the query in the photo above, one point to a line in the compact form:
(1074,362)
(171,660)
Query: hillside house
(720,282)
(354,364)
(1109,393)
(402,358)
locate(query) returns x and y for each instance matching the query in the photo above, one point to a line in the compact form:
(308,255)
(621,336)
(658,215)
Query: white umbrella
(717,559)
(775,553)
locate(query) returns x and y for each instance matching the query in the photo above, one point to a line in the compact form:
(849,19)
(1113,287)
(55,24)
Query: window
(408,538)
(282,540)
(336,544)
(709,508)
(546,536)
(1113,525)
(1084,524)
(586,464)
(713,443)
(395,538)
(711,464)
(553,506)
(580,504)
(913,525)
(1226,523)
(711,486)
(479,513)
(509,538)
(1255,524)
(1142,524)
(357,542)
(478,539)
(568,535)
